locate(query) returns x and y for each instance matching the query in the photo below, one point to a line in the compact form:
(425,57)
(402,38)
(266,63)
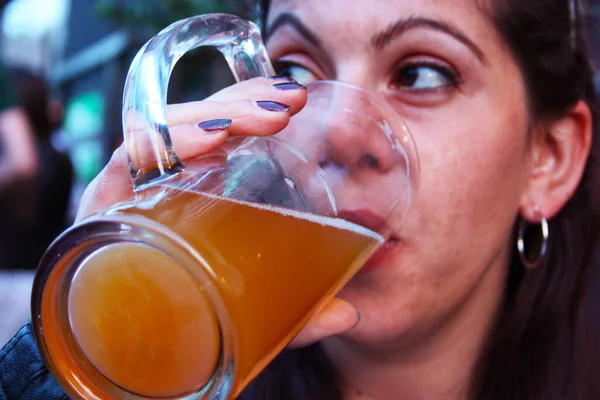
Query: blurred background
(62,68)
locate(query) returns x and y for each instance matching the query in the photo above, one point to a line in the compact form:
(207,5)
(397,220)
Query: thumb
(338,316)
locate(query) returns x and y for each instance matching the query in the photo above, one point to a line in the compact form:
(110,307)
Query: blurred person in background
(17,150)
(33,204)
(18,164)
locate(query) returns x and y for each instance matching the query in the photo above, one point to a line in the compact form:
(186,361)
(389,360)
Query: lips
(374,222)
(363,217)
(379,259)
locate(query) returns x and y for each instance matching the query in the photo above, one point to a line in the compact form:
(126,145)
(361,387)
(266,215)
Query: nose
(356,136)
(356,143)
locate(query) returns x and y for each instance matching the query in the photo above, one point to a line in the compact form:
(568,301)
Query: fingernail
(282,78)
(214,125)
(359,319)
(272,106)
(289,86)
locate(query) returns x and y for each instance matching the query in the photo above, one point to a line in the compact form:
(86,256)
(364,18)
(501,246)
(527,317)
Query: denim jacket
(23,375)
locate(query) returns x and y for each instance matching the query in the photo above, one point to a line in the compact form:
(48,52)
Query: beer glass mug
(193,286)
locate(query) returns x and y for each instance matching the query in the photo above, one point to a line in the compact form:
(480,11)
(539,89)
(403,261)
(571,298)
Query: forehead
(376,10)
(361,19)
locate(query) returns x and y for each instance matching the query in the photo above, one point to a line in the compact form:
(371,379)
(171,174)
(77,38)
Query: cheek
(473,172)
(473,161)
(472,175)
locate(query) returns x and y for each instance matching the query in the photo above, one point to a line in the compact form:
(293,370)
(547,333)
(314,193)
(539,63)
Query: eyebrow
(290,19)
(384,38)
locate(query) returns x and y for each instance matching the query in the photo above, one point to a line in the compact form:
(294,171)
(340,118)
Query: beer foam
(319,219)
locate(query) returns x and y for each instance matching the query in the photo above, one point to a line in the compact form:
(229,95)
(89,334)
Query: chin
(392,314)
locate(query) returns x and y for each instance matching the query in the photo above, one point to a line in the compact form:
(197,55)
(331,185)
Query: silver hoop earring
(521,242)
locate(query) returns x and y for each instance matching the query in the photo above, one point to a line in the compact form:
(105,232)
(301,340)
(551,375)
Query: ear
(558,155)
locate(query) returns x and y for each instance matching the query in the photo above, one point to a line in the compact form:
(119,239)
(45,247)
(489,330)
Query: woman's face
(445,69)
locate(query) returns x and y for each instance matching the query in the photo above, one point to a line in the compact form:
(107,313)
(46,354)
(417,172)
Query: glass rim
(388,114)
(93,234)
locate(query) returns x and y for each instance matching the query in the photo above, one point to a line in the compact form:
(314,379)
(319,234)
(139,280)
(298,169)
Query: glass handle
(145,129)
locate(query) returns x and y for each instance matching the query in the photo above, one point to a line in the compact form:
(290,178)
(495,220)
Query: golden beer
(148,327)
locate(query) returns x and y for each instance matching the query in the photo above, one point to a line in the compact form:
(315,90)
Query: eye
(297,72)
(425,76)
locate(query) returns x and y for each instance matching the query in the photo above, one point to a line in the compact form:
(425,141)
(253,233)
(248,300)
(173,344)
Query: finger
(224,106)
(248,117)
(113,184)
(252,88)
(188,141)
(191,140)
(337,317)
(210,123)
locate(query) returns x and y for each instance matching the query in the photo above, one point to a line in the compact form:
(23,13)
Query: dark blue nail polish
(289,86)
(282,78)
(273,106)
(214,125)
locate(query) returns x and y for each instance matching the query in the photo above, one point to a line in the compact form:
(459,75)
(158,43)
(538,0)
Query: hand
(336,317)
(237,103)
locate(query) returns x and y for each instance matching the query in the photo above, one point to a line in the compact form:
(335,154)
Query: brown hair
(33,96)
(545,346)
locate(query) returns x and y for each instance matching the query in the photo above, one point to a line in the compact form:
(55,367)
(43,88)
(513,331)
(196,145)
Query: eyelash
(280,66)
(453,77)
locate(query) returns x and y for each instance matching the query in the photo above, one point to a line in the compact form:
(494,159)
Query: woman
(503,90)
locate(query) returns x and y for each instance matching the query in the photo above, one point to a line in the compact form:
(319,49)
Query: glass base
(125,308)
